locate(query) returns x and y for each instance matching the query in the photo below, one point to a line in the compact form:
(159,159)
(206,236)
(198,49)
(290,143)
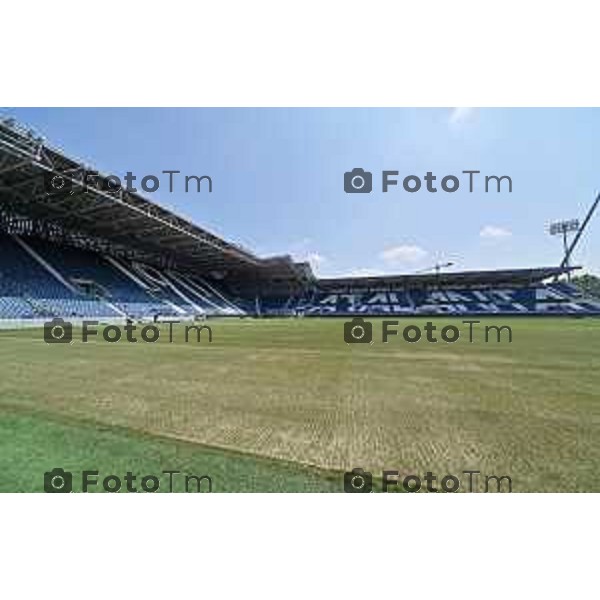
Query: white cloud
(403,255)
(460,115)
(492,232)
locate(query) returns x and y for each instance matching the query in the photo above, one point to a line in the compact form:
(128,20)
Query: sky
(278,179)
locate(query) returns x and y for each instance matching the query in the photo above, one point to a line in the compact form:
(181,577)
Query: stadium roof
(508,276)
(118,220)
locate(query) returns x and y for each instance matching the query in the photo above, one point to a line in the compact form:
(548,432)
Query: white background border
(313,53)
(298,546)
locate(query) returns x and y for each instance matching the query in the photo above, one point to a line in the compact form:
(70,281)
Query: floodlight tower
(585,224)
(564,228)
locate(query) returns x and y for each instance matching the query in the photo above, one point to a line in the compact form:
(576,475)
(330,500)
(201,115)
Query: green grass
(291,405)
(31,445)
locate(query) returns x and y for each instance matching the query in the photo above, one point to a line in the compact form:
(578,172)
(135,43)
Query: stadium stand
(542,299)
(39,278)
(88,252)
(513,292)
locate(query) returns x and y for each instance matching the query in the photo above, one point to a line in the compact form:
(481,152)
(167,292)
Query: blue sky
(278,178)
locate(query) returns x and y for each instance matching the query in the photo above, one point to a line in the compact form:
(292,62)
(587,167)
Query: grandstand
(512,292)
(93,253)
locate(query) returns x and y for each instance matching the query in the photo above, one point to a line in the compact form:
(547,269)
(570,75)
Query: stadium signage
(359,181)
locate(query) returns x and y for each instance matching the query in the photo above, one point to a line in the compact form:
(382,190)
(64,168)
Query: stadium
(279,402)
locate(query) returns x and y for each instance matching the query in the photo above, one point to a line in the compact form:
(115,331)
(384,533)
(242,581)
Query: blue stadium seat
(536,299)
(40,279)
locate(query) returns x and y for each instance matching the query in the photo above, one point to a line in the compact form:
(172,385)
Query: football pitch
(287,405)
